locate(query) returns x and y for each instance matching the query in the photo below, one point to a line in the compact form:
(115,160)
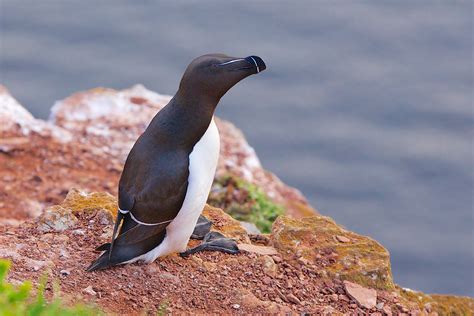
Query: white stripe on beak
(258,69)
(231,61)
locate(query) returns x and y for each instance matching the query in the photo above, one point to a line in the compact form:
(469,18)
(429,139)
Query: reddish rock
(293,299)
(342,239)
(365,297)
(260,250)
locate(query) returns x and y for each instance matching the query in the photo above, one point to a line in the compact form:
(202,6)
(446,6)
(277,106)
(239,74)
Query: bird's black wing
(152,189)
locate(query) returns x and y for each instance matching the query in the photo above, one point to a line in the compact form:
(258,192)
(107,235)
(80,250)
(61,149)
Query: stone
(267,280)
(78,232)
(342,239)
(363,260)
(249,300)
(365,297)
(169,277)
(250,228)
(89,290)
(344,298)
(268,265)
(293,299)
(225,224)
(104,217)
(260,250)
(81,201)
(387,310)
(56,219)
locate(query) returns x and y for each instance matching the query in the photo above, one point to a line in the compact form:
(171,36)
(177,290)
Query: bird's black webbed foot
(203,227)
(214,241)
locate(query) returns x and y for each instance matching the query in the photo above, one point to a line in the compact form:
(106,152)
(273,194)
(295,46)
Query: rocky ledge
(308,265)
(302,262)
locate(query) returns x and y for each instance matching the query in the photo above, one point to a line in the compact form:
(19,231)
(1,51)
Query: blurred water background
(365,106)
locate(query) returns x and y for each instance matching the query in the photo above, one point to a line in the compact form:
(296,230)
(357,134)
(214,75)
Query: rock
(169,277)
(342,239)
(65,272)
(16,121)
(250,228)
(267,280)
(78,232)
(225,224)
(387,310)
(260,250)
(89,290)
(293,299)
(56,219)
(329,311)
(235,306)
(362,260)
(344,298)
(334,297)
(268,265)
(248,300)
(379,306)
(80,201)
(104,217)
(365,297)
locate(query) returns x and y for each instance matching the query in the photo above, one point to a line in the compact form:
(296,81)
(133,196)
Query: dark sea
(366,106)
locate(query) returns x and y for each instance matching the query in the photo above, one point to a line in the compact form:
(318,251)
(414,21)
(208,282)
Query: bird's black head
(210,76)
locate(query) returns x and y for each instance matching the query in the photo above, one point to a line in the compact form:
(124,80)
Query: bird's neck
(184,120)
(199,109)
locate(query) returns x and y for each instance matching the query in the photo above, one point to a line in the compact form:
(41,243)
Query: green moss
(18,300)
(244,202)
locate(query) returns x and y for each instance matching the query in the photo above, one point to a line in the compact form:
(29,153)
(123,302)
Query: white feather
(202,167)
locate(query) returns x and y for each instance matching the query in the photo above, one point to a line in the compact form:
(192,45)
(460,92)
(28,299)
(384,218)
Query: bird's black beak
(251,62)
(258,62)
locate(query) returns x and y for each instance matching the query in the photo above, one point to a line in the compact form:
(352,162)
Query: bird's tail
(104,260)
(101,263)
(128,245)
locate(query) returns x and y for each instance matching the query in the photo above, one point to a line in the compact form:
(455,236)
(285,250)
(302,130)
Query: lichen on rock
(81,201)
(361,260)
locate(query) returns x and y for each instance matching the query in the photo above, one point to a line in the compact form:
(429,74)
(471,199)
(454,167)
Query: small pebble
(342,239)
(78,232)
(89,290)
(236,306)
(293,299)
(334,297)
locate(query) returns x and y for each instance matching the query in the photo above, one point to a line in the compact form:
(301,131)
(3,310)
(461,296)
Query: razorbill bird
(169,171)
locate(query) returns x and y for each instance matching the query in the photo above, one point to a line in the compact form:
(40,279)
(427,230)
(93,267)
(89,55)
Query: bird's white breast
(202,168)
